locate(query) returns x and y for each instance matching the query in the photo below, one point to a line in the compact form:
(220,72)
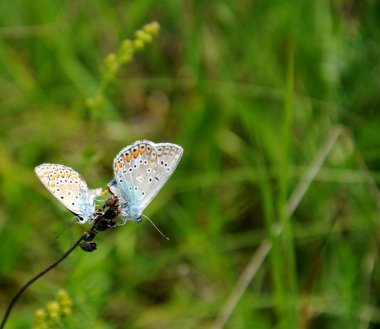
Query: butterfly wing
(69,188)
(168,157)
(140,171)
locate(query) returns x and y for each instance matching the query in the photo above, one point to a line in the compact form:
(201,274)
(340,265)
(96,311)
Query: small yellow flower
(152,28)
(65,302)
(40,314)
(143,36)
(53,309)
(138,44)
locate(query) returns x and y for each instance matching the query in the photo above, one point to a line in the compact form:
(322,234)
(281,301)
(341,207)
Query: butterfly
(70,189)
(140,171)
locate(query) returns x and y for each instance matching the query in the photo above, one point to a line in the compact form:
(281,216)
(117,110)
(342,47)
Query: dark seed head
(89,235)
(88,246)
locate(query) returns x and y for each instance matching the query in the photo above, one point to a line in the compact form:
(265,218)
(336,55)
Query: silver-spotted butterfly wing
(70,189)
(140,171)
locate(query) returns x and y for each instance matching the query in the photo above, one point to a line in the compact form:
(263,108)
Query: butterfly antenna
(64,229)
(154,225)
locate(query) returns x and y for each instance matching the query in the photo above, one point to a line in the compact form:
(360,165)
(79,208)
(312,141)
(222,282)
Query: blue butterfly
(70,189)
(140,171)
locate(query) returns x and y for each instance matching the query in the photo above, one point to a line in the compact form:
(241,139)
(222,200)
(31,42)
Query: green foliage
(258,93)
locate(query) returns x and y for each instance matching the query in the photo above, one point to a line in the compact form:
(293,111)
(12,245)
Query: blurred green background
(257,93)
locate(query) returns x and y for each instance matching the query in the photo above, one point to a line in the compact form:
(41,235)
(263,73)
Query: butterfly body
(70,189)
(140,171)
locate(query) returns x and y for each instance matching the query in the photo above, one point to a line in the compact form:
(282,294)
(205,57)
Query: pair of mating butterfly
(140,171)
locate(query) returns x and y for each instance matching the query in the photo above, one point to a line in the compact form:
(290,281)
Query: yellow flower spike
(53,309)
(67,311)
(40,315)
(138,44)
(125,51)
(54,312)
(64,301)
(125,58)
(40,319)
(111,65)
(152,28)
(110,59)
(126,46)
(143,36)
(63,296)
(113,62)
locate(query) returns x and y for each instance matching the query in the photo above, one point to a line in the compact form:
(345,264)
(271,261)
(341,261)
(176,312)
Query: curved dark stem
(36,277)
(102,221)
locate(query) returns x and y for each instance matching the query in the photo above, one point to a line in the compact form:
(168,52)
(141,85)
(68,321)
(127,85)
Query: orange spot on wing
(119,164)
(127,157)
(135,153)
(152,158)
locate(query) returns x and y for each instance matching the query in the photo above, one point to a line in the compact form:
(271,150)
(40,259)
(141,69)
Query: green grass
(253,91)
